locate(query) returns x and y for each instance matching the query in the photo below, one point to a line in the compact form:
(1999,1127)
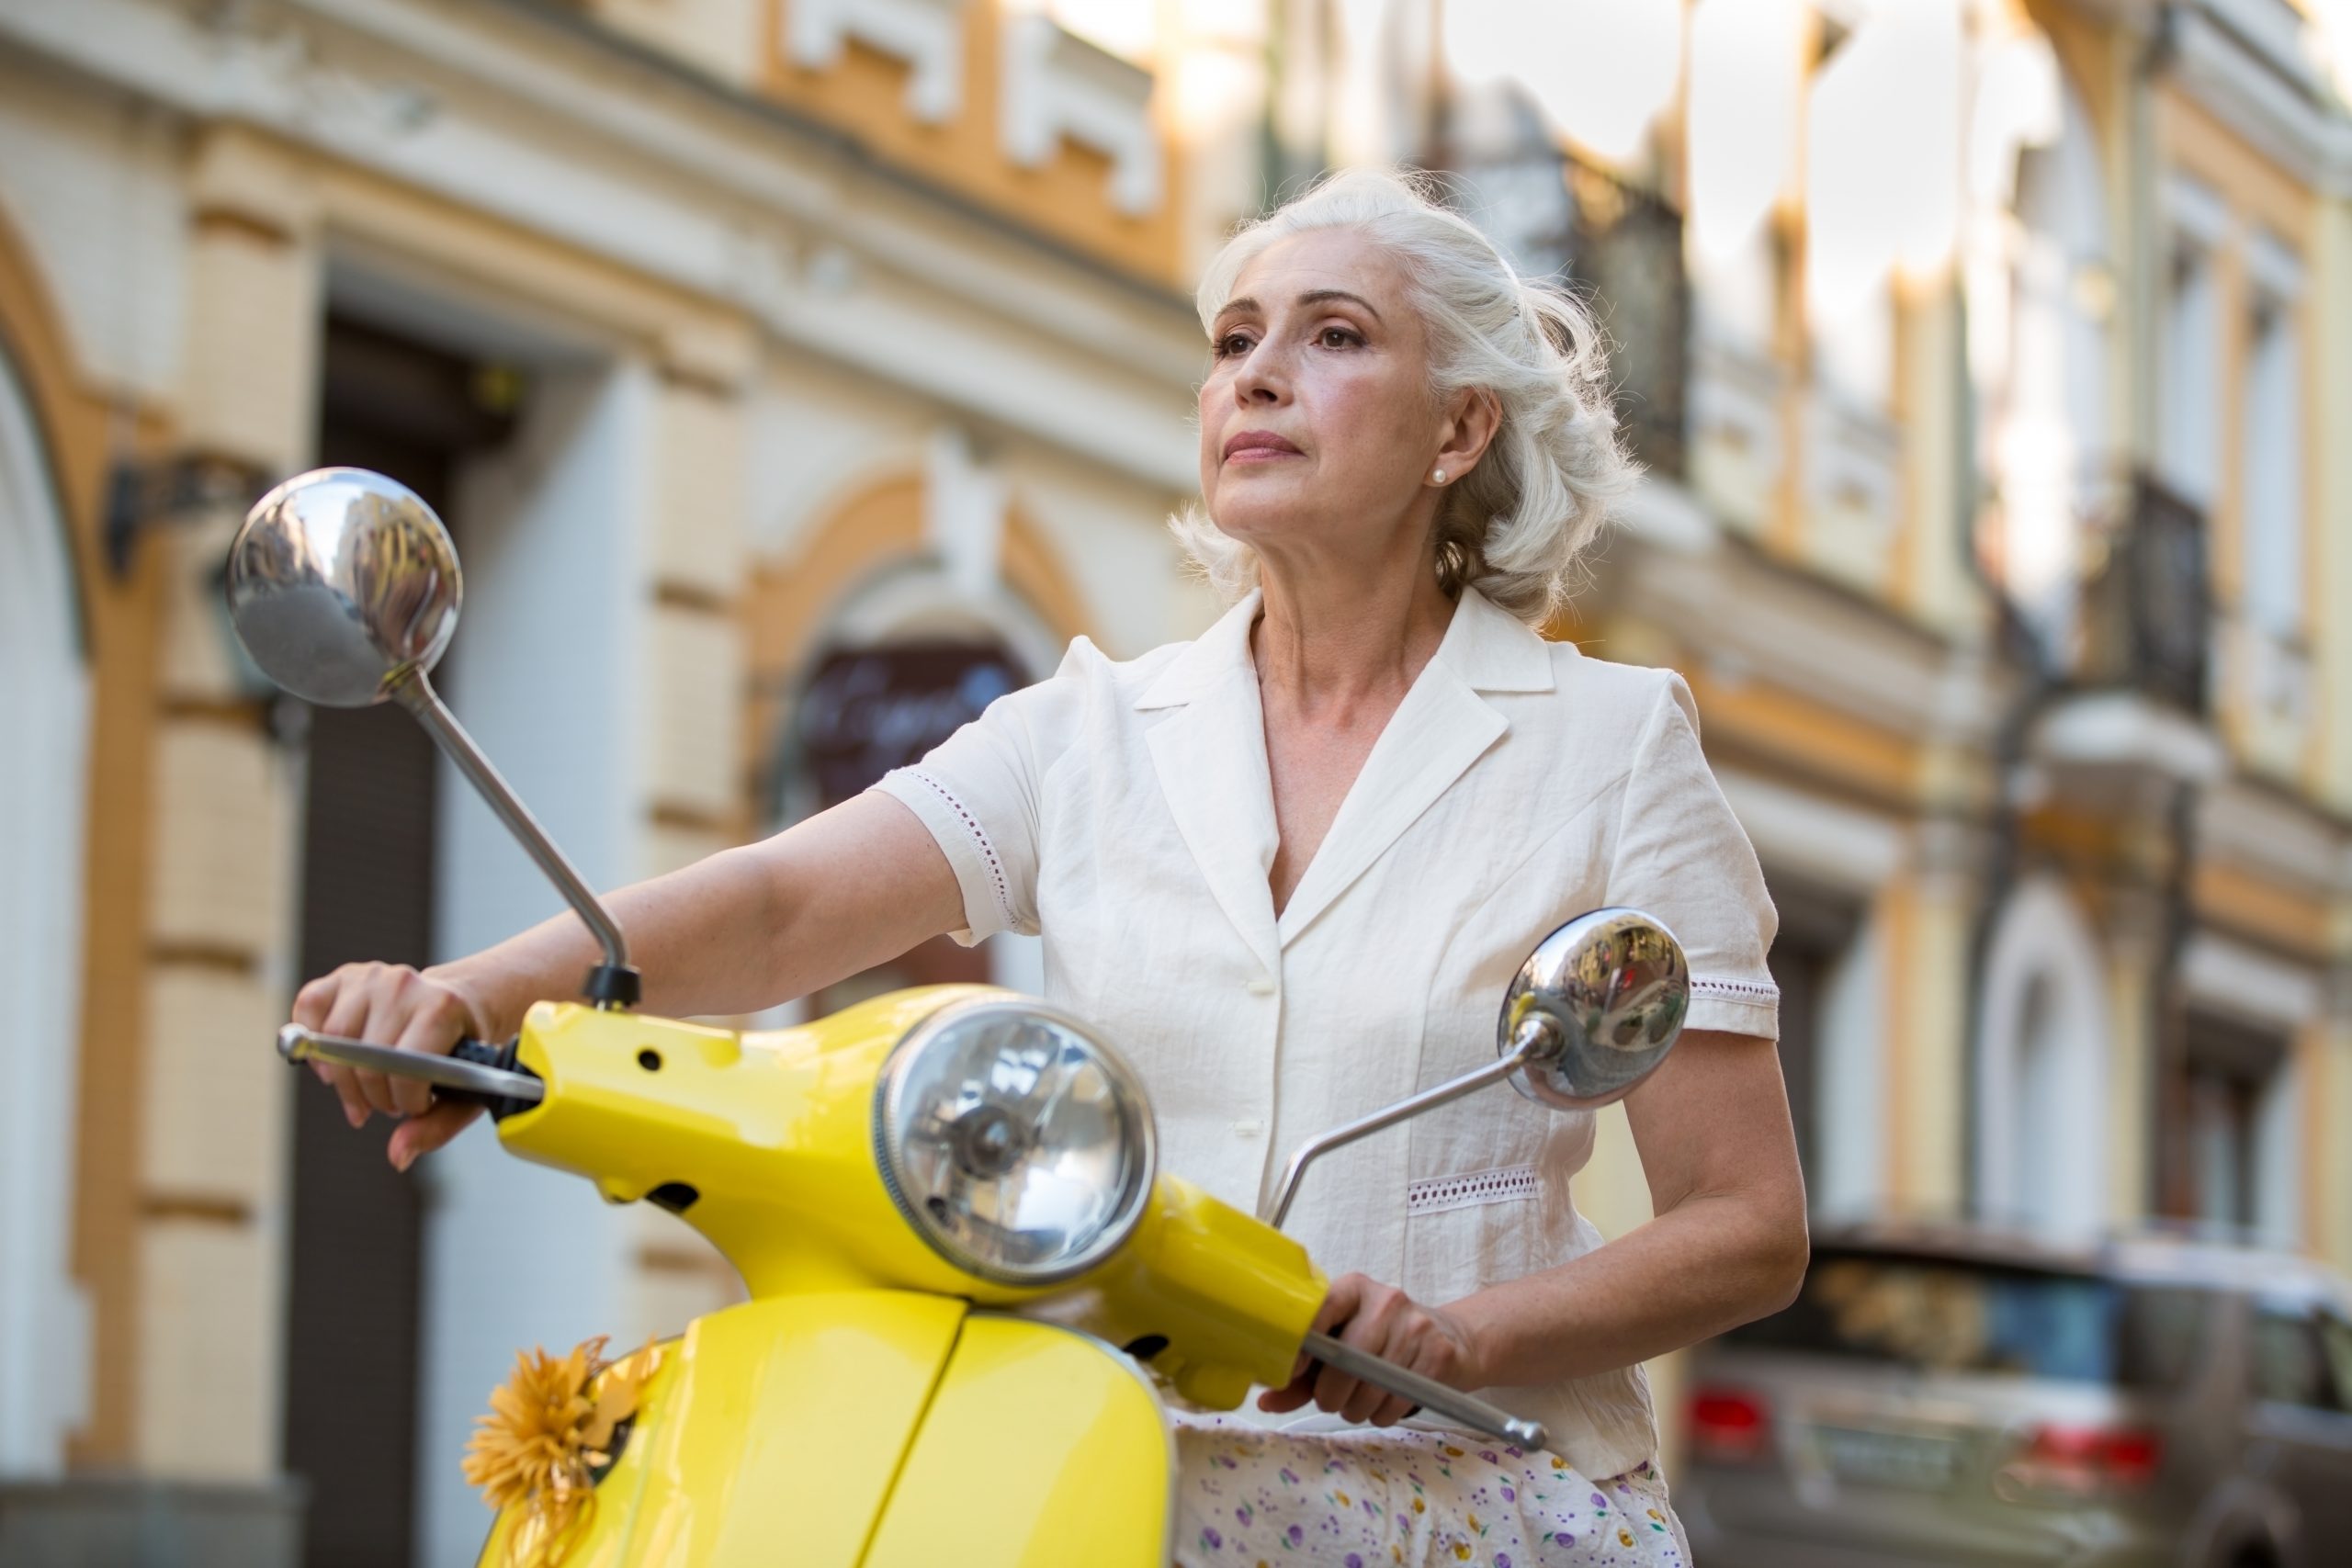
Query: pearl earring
(1439,477)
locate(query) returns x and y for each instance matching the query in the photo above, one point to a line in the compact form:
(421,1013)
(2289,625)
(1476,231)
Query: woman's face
(1317,426)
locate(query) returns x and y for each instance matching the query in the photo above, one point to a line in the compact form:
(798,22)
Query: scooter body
(887,1429)
(873,1404)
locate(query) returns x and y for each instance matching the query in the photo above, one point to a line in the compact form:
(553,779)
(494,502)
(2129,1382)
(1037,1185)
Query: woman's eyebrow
(1249,307)
(1326,296)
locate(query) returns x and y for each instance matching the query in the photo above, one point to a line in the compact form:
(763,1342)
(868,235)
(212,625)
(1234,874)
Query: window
(2289,1363)
(2191,397)
(2230,1151)
(1985,1318)
(2272,479)
(2336,1338)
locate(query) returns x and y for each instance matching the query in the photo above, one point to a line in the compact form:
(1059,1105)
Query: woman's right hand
(391,1004)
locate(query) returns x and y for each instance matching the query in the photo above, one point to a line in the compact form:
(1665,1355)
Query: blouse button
(1248,1128)
(1261,985)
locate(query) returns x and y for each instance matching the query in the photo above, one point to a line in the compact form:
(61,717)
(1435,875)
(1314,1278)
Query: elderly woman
(1289,868)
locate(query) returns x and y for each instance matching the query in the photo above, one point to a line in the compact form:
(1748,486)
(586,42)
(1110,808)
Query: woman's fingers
(1380,1319)
(429,1020)
(347,1016)
(312,1005)
(1307,1374)
(423,1134)
(385,1016)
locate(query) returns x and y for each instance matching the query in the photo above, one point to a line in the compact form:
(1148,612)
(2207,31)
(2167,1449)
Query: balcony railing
(2147,607)
(1619,245)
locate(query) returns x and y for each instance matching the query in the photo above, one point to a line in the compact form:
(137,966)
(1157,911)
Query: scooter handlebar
(471,1073)
(1428,1393)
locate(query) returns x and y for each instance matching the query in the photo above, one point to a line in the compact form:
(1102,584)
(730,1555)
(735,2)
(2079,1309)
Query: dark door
(367,893)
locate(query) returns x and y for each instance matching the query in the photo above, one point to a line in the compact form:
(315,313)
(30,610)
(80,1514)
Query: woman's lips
(1259,446)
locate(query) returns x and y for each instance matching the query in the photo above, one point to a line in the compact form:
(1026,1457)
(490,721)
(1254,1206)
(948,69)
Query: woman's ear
(1469,426)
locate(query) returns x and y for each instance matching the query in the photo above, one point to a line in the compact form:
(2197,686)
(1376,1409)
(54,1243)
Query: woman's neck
(1332,640)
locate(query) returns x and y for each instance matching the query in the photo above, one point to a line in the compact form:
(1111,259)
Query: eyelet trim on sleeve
(1470,1189)
(1736,990)
(980,842)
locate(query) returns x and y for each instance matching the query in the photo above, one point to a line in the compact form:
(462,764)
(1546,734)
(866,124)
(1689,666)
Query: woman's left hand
(1382,1319)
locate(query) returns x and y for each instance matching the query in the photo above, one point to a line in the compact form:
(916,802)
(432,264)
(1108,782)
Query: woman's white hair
(1516,525)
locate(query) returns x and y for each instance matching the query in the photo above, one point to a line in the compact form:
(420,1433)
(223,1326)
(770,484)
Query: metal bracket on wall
(172,491)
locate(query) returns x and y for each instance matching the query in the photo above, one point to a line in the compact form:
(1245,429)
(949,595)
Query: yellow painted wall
(1067,198)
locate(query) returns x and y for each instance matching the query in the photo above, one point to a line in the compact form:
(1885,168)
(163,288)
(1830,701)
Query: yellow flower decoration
(548,1431)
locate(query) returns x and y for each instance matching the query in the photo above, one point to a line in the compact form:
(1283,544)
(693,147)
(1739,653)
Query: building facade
(795,374)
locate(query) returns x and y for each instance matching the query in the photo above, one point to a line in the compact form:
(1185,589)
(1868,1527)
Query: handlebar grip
(473,1073)
(1451,1402)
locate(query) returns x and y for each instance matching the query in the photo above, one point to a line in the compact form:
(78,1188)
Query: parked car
(1939,1395)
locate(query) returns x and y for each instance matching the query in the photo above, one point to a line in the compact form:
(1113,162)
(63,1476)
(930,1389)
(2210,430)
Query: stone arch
(2042,1067)
(45,684)
(792,602)
(868,575)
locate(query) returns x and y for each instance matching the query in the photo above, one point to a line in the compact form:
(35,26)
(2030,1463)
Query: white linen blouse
(1122,811)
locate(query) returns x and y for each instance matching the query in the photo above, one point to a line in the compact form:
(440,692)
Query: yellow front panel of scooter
(770,1436)
(1042,1449)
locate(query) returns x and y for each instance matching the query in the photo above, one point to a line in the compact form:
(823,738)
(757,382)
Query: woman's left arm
(1727,1244)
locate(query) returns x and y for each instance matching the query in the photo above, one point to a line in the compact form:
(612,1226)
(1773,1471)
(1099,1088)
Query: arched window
(43,697)
(905,660)
(2043,1065)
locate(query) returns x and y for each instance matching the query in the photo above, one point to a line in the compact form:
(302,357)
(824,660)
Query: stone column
(1929,923)
(698,770)
(213,1149)
(2136,930)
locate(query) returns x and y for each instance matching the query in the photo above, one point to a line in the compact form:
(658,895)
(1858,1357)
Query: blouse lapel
(1211,759)
(1437,732)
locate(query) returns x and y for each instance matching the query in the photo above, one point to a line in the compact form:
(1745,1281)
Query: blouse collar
(1488,648)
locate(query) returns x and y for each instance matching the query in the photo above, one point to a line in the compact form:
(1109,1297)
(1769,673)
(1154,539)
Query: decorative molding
(1055,83)
(691,599)
(2241,60)
(2276,268)
(2195,209)
(2225,975)
(926,34)
(1831,841)
(559,136)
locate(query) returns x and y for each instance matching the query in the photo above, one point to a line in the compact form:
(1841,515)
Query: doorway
(43,701)
(368,892)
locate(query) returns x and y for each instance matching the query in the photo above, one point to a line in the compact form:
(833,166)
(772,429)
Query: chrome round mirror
(343,584)
(1608,993)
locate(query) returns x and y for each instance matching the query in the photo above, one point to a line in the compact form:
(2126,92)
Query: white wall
(545,672)
(45,1357)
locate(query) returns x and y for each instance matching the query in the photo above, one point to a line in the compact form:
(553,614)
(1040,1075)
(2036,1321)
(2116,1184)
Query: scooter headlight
(1014,1141)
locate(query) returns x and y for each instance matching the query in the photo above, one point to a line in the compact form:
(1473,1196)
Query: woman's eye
(1340,337)
(1230,345)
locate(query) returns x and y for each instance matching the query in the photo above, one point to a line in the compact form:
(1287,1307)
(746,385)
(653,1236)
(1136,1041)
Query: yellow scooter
(969,1282)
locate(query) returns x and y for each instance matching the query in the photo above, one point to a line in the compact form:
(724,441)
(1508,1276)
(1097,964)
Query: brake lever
(1428,1393)
(481,1074)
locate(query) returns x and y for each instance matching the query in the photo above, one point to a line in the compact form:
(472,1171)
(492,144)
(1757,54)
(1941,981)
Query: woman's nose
(1264,377)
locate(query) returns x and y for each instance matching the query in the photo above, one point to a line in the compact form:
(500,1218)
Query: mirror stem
(1536,1038)
(614,982)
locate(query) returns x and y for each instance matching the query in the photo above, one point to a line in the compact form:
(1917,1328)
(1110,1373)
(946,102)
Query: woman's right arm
(746,929)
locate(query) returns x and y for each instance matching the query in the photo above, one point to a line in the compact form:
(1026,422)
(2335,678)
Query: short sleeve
(978,792)
(1683,857)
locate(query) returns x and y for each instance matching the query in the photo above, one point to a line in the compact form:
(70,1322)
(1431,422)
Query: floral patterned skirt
(1375,1498)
